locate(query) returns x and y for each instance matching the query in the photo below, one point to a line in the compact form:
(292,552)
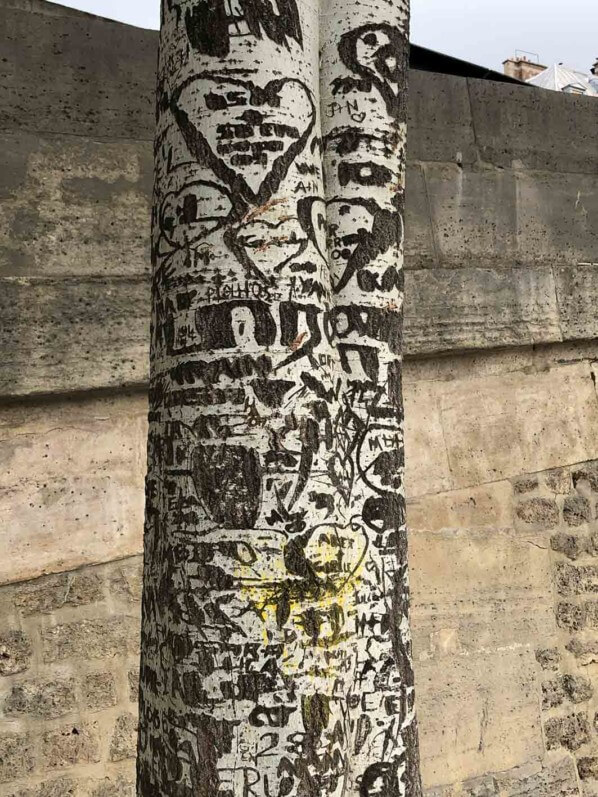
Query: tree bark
(276,656)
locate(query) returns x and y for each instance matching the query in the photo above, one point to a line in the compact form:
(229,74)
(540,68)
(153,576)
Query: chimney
(521,68)
(594,69)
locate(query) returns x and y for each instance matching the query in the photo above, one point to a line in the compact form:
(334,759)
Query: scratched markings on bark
(276,651)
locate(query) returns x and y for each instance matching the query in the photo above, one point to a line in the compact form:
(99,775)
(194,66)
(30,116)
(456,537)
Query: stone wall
(502,414)
(502,617)
(68,682)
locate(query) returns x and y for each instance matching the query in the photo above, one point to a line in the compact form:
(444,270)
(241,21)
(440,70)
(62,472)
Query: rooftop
(560,78)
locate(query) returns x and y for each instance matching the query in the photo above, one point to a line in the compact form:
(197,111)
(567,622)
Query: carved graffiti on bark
(276,658)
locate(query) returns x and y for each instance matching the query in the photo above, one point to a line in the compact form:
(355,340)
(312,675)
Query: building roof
(559,78)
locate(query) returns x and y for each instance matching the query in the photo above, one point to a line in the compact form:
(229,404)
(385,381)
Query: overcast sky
(483,31)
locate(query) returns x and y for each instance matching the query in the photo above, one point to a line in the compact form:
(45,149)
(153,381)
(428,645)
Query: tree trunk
(276,655)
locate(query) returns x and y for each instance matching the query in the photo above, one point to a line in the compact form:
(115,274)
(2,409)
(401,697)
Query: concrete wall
(502,413)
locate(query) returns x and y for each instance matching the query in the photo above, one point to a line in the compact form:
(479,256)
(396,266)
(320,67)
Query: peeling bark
(276,656)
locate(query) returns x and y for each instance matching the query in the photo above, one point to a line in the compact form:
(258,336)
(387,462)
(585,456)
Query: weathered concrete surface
(474,430)
(473,723)
(498,595)
(48,322)
(576,291)
(71,484)
(479,308)
(545,130)
(76,74)
(73,206)
(72,334)
(502,198)
(442,129)
(556,218)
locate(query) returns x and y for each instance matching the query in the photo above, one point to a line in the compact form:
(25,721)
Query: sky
(483,31)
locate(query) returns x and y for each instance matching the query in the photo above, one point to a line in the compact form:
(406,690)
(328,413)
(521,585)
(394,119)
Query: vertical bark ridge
(275,645)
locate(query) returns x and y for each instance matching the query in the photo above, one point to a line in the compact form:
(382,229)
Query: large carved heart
(248,135)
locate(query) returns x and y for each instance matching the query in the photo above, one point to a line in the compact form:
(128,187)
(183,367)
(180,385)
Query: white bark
(276,655)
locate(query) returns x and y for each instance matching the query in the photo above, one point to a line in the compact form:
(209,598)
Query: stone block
(583,580)
(41,699)
(71,493)
(440,792)
(86,76)
(57,787)
(70,745)
(17,758)
(14,162)
(568,579)
(420,249)
(571,732)
(427,465)
(558,481)
(124,738)
(74,206)
(538,512)
(509,424)
(586,652)
(126,581)
(499,593)
(439,109)
(591,612)
(556,215)
(525,484)
(590,578)
(484,508)
(98,690)
(119,786)
(15,652)
(133,679)
(576,510)
(577,287)
(588,768)
(91,639)
(463,309)
(491,728)
(88,333)
(586,474)
(481,787)
(554,779)
(548,658)
(474,219)
(571,545)
(571,616)
(533,129)
(553,693)
(577,688)
(46,595)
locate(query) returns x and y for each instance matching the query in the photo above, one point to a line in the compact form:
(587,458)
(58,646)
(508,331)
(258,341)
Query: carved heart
(196,210)
(357,232)
(254,242)
(248,135)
